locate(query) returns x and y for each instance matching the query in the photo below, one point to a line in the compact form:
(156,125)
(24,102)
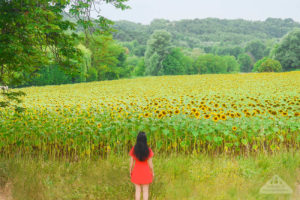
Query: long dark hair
(141,149)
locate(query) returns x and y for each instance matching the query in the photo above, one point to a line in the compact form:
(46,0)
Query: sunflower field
(233,113)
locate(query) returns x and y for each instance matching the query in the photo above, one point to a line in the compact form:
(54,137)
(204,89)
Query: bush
(269,65)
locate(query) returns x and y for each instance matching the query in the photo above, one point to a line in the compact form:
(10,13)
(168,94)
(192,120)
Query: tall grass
(177,177)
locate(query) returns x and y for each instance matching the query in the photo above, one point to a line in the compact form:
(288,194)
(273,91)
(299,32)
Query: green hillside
(207,32)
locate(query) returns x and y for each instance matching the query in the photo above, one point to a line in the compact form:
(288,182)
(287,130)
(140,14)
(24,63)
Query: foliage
(107,57)
(174,63)
(231,64)
(29,31)
(158,47)
(256,49)
(245,62)
(258,64)
(35,35)
(287,53)
(213,64)
(209,32)
(268,65)
(136,65)
(231,51)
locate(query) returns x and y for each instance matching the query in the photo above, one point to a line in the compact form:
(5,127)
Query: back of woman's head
(141,149)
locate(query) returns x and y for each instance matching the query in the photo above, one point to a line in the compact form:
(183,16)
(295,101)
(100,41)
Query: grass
(177,177)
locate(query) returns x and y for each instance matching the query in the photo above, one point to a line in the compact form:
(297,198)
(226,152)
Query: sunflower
(164,112)
(274,113)
(296,114)
(99,125)
(146,115)
(194,110)
(238,115)
(232,115)
(216,105)
(197,114)
(247,114)
(234,128)
(160,116)
(223,117)
(215,118)
(207,116)
(284,114)
(156,111)
(177,112)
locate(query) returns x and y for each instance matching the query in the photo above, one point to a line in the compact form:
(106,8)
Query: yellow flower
(207,116)
(284,114)
(215,118)
(234,128)
(223,117)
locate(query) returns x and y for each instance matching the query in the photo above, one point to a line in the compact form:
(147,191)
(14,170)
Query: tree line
(106,59)
(40,44)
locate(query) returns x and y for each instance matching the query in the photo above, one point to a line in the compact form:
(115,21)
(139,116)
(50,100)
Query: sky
(144,11)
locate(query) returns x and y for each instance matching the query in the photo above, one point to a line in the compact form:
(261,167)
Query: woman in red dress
(142,173)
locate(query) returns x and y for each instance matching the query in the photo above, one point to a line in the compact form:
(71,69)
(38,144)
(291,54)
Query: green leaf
(166,132)
(195,133)
(244,141)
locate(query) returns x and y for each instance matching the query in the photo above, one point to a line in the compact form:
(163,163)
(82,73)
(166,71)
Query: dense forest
(164,47)
(201,33)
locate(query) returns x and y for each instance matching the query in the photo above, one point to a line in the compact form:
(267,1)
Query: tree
(174,63)
(258,64)
(245,62)
(288,51)
(257,49)
(210,64)
(231,64)
(34,34)
(268,65)
(107,57)
(231,51)
(158,47)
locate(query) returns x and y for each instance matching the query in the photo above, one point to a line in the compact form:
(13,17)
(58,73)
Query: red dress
(141,173)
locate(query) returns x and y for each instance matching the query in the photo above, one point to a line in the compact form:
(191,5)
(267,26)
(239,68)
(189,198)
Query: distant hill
(207,32)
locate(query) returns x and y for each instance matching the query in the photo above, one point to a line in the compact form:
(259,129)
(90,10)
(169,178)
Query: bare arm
(131,165)
(151,165)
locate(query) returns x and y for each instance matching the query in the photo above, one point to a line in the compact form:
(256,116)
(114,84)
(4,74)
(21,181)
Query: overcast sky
(144,11)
